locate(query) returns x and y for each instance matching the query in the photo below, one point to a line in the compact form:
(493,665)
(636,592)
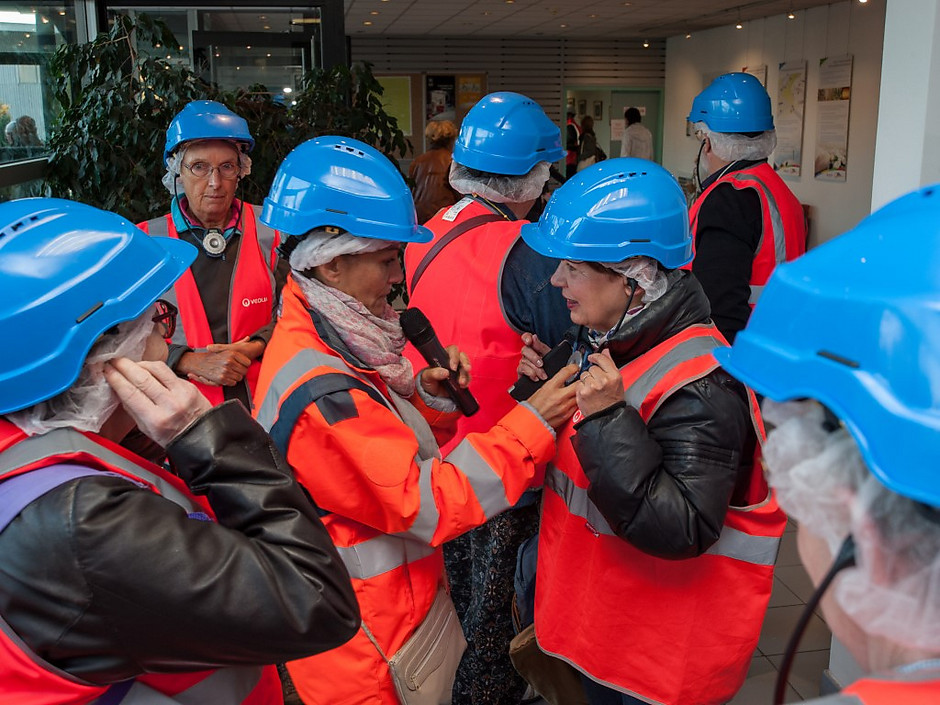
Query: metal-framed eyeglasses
(202,170)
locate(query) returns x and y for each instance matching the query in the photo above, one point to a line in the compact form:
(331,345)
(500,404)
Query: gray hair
(732,146)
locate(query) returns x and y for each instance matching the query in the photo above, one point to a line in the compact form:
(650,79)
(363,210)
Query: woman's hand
(533,350)
(161,404)
(554,401)
(432,378)
(600,386)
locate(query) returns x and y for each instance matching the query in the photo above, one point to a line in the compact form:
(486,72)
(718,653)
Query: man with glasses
(122,580)
(228,299)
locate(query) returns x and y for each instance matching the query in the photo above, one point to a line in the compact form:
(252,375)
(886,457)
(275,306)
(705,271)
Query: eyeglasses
(165,314)
(202,170)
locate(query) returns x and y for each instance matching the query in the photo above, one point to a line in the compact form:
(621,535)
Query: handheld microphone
(417,329)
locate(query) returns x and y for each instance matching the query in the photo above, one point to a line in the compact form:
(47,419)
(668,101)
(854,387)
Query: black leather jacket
(107,580)
(665,487)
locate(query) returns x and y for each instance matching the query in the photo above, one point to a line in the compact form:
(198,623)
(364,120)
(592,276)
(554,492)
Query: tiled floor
(792,588)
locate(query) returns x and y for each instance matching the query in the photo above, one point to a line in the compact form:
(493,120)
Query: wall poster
(791,103)
(396,99)
(440,98)
(832,117)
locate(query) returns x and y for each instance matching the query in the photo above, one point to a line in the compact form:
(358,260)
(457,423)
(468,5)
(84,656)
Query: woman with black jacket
(658,531)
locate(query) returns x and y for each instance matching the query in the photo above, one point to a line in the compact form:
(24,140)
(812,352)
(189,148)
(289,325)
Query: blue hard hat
(855,324)
(507,133)
(68,273)
(206,120)
(733,102)
(614,210)
(343,183)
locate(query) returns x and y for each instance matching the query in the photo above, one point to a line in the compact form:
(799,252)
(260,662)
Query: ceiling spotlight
(367,23)
(688,35)
(646,44)
(374,12)
(563,26)
(739,26)
(791,16)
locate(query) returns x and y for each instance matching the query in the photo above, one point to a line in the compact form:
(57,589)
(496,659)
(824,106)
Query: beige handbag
(423,669)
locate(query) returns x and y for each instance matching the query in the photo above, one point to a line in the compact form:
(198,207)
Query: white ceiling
(610,19)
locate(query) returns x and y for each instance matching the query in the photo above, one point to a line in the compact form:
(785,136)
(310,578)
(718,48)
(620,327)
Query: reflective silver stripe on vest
(776,223)
(382,553)
(486,482)
(300,364)
(758,550)
(756,291)
(684,351)
(227,686)
(64,440)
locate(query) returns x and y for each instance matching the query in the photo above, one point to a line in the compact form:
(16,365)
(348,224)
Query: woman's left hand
(600,386)
(432,378)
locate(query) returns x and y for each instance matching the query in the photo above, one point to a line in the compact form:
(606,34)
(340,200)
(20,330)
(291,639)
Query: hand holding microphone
(418,331)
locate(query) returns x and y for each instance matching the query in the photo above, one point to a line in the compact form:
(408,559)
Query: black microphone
(417,329)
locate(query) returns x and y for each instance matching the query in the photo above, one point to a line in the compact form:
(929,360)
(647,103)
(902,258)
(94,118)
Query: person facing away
(123,581)
(637,139)
(658,532)
(432,190)
(481,286)
(746,220)
(852,407)
(336,389)
(228,298)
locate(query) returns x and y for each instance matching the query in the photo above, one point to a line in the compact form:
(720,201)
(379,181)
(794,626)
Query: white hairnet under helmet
(500,188)
(90,401)
(322,245)
(647,274)
(174,164)
(823,483)
(732,146)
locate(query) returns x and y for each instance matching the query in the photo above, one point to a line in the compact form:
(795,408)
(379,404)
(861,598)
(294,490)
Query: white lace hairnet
(646,272)
(90,401)
(500,188)
(174,163)
(732,146)
(320,247)
(822,481)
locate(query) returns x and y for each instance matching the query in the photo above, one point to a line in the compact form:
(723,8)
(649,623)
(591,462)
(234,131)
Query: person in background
(590,153)
(637,139)
(228,298)
(658,532)
(432,190)
(336,390)
(123,581)
(572,145)
(481,287)
(746,220)
(850,378)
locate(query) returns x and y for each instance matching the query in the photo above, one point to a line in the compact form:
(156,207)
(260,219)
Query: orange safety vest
(911,686)
(24,676)
(369,461)
(250,301)
(783,236)
(668,631)
(471,314)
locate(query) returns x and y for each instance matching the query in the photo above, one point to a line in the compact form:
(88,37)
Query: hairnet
(175,161)
(732,146)
(822,481)
(90,401)
(647,273)
(500,188)
(320,247)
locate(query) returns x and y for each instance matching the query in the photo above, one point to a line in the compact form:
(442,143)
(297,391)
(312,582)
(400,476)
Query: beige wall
(835,30)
